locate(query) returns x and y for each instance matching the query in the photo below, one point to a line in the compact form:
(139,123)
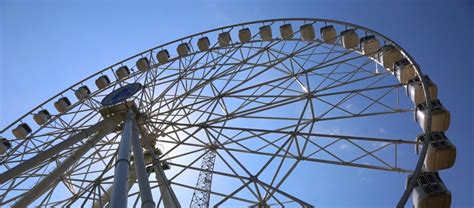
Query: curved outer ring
(424,83)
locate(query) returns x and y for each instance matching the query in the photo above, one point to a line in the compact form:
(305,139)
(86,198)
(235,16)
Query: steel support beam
(105,197)
(122,165)
(46,183)
(142,175)
(167,193)
(47,154)
(299,201)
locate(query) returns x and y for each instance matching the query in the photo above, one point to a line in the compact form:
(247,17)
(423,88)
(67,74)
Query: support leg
(139,160)
(105,198)
(167,193)
(120,189)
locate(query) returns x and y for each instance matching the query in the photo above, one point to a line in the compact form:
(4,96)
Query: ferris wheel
(223,118)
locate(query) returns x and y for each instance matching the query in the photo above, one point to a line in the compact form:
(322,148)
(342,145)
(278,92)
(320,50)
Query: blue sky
(47,46)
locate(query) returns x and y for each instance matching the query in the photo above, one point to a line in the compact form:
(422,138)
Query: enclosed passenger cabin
(440,117)
(245,35)
(369,45)
(224,39)
(328,34)
(307,32)
(21,131)
(183,49)
(122,72)
(4,145)
(286,31)
(102,82)
(430,192)
(416,93)
(404,70)
(82,92)
(388,55)
(441,152)
(42,117)
(350,39)
(62,104)
(266,33)
(203,44)
(163,56)
(143,64)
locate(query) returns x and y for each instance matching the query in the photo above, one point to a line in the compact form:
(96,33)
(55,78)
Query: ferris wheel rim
(406,54)
(71,87)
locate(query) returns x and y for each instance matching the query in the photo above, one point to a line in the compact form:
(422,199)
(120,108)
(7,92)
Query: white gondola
(203,44)
(388,55)
(163,56)
(441,152)
(430,192)
(369,45)
(21,131)
(416,93)
(328,34)
(224,39)
(62,104)
(404,70)
(42,117)
(266,33)
(102,82)
(4,145)
(350,39)
(286,31)
(122,72)
(307,32)
(440,116)
(183,49)
(245,35)
(82,92)
(143,64)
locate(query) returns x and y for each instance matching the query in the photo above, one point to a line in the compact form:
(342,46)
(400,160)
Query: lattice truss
(262,107)
(202,193)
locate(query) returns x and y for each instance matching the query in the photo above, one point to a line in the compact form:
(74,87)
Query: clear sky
(48,46)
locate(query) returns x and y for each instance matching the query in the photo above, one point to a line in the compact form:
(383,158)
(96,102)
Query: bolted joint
(309,95)
(212,146)
(203,125)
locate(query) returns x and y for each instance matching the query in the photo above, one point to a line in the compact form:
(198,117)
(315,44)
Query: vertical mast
(202,192)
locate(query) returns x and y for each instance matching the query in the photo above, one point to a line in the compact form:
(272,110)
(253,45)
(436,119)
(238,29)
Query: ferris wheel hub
(121,108)
(121,94)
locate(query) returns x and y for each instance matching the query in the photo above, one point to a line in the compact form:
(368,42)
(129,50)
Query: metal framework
(202,193)
(267,106)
